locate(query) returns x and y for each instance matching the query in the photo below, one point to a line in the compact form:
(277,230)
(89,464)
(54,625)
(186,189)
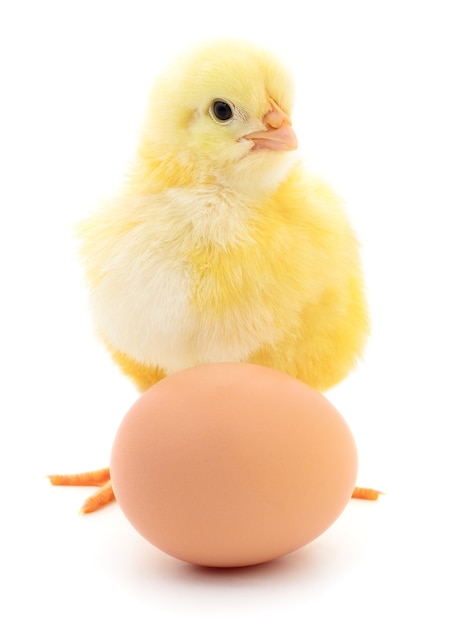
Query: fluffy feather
(217,251)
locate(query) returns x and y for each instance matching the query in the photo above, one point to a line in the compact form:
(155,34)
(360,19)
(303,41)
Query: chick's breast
(203,280)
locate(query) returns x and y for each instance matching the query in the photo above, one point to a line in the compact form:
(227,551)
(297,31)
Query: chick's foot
(365,493)
(98,478)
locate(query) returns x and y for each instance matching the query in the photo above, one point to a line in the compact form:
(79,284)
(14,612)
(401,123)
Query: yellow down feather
(215,251)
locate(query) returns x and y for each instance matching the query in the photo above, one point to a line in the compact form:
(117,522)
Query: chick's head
(221,115)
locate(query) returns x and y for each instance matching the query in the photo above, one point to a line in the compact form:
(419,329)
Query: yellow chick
(221,248)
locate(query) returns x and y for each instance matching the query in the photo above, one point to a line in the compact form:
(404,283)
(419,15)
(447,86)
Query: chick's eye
(221,110)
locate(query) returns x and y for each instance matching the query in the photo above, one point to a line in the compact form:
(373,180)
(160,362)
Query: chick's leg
(98,478)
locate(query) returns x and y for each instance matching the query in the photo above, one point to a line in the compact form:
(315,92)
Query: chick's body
(220,247)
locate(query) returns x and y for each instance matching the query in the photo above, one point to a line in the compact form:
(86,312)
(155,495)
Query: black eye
(222,110)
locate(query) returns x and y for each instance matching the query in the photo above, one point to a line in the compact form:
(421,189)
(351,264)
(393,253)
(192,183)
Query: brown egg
(232,464)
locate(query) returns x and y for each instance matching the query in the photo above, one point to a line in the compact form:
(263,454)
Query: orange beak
(278,135)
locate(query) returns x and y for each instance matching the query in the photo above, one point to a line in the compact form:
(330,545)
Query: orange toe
(101,497)
(364,493)
(96,478)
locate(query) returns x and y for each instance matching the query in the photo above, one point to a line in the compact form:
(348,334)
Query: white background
(373,117)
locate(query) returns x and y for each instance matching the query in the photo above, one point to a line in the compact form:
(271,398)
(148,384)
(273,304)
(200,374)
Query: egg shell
(229,465)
